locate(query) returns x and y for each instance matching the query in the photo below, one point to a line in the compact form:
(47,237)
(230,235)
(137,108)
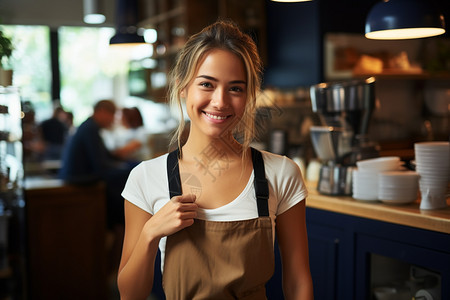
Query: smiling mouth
(215,117)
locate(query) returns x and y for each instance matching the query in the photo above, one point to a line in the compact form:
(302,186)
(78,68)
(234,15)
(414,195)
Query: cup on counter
(313,170)
(433,167)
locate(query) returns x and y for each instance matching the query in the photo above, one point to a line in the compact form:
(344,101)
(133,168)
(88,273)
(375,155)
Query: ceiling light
(92,12)
(404,19)
(127,32)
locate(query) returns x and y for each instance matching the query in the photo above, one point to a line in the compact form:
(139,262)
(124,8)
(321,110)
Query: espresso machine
(344,110)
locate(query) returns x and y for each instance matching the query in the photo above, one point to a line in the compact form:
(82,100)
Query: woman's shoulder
(152,166)
(157,160)
(286,180)
(279,164)
(275,159)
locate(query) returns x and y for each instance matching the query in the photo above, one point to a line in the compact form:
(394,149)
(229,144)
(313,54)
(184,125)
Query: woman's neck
(217,164)
(211,147)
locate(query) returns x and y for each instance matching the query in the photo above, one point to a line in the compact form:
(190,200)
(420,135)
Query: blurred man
(87,160)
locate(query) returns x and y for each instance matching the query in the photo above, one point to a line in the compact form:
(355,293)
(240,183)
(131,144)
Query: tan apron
(220,260)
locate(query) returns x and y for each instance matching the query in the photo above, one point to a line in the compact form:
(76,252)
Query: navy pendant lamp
(126,24)
(404,19)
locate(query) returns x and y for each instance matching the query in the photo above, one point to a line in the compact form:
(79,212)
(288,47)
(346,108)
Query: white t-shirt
(147,188)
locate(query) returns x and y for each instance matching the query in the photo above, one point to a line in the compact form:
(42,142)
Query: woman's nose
(220,99)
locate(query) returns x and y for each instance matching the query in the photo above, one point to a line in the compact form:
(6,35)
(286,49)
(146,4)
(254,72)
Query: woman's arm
(293,243)
(142,234)
(135,277)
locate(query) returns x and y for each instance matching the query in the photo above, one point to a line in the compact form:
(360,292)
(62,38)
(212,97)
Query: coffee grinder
(344,109)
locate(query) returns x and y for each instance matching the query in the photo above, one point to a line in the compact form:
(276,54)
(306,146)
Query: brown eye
(237,89)
(206,84)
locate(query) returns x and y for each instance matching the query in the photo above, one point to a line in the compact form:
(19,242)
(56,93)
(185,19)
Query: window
(89,70)
(31,64)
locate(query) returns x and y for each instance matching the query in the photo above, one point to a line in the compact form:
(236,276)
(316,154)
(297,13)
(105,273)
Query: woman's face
(216,96)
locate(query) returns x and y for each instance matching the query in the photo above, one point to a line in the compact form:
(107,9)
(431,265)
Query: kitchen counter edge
(406,214)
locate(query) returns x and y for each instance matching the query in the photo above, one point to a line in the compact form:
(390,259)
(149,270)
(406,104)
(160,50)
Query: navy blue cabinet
(344,251)
(326,246)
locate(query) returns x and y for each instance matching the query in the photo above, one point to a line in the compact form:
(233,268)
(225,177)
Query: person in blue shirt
(86,160)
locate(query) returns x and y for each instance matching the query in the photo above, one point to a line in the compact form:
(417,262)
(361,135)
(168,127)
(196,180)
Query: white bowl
(380,164)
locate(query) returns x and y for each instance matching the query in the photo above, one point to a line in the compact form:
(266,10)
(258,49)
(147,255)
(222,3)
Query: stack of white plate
(365,177)
(365,185)
(398,187)
(433,166)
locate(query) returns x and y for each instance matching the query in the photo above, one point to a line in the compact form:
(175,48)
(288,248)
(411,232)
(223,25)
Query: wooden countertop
(405,214)
(42,182)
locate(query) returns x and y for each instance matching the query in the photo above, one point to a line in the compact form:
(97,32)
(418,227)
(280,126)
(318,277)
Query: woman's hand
(177,214)
(142,234)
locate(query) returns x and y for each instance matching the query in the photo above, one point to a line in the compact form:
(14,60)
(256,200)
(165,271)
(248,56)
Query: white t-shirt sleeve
(134,190)
(286,180)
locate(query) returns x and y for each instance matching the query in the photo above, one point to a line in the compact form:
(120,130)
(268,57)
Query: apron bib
(220,260)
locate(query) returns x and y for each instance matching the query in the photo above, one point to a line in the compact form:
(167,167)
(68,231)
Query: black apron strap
(261,184)
(173,174)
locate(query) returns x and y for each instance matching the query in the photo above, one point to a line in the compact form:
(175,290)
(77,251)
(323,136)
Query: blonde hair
(223,35)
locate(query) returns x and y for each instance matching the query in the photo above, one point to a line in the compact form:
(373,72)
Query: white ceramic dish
(380,164)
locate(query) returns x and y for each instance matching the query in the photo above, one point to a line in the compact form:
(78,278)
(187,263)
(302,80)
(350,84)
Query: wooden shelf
(176,20)
(155,20)
(404,75)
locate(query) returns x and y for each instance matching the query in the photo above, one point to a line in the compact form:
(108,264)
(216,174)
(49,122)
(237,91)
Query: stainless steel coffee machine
(344,109)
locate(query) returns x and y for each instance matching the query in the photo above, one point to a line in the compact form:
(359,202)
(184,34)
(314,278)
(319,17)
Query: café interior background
(300,45)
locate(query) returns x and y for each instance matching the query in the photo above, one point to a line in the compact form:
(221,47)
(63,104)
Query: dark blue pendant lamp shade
(404,19)
(126,24)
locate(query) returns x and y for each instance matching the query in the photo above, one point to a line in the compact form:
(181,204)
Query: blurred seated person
(69,122)
(53,133)
(129,140)
(86,160)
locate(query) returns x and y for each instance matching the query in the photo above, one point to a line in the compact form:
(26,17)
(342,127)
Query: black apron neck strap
(260,181)
(173,174)
(261,184)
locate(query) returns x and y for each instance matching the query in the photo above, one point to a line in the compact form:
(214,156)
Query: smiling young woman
(208,204)
(216,97)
